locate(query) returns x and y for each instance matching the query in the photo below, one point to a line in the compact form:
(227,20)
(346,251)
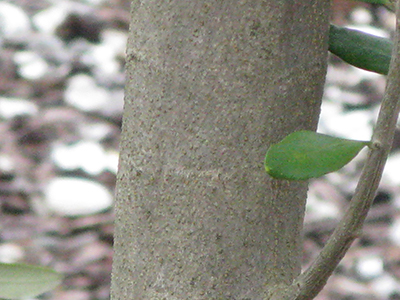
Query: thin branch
(311,282)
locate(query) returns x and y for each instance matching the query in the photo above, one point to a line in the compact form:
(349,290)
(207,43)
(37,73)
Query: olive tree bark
(210,85)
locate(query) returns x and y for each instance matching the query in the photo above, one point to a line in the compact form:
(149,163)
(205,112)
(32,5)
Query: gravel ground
(61,96)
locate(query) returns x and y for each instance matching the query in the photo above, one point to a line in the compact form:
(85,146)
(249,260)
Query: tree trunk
(210,85)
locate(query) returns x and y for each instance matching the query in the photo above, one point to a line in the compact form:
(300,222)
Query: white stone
(351,125)
(95,131)
(11,253)
(318,208)
(49,19)
(14,22)
(370,266)
(361,16)
(112,161)
(13,107)
(392,167)
(86,155)
(7,164)
(384,286)
(76,196)
(83,93)
(30,65)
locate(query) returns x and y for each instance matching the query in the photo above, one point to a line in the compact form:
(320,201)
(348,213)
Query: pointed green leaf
(21,281)
(362,50)
(307,154)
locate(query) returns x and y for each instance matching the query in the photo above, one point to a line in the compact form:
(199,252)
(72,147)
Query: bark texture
(210,85)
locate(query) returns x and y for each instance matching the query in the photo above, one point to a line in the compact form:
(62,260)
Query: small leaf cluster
(305,154)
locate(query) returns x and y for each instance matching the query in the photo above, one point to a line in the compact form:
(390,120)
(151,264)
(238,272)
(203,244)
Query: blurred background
(61,101)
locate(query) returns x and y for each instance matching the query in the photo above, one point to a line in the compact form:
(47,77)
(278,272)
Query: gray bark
(210,85)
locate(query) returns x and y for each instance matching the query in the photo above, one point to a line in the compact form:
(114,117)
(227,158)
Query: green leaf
(307,154)
(360,49)
(21,281)
(389,4)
